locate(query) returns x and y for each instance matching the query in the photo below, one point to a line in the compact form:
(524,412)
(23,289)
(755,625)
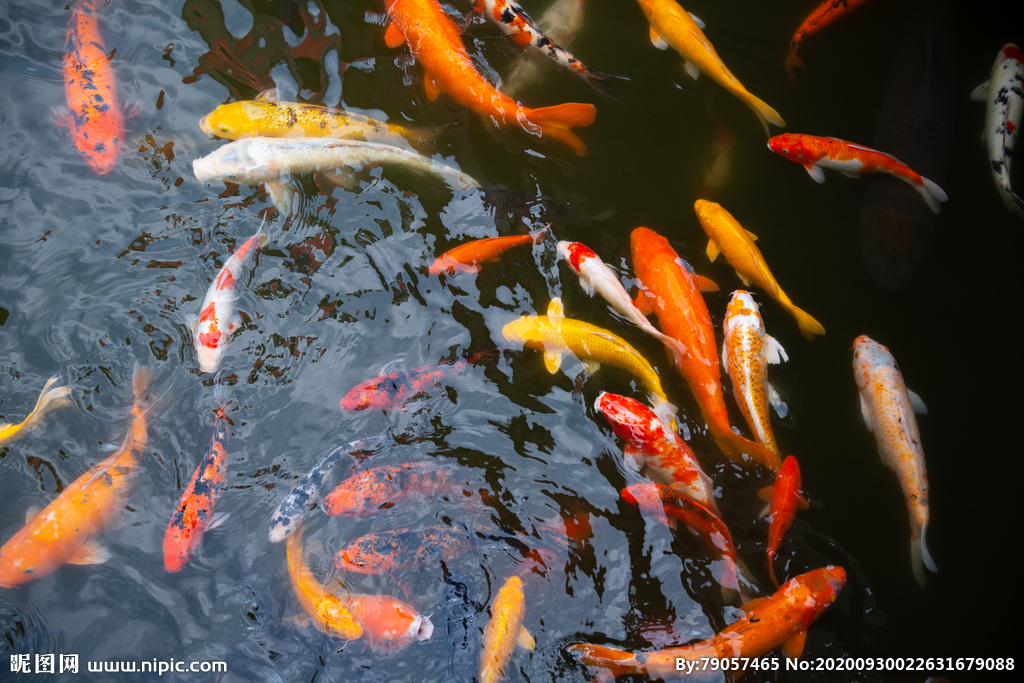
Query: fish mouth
(204,123)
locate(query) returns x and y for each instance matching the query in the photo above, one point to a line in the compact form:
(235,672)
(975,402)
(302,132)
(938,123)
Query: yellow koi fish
(328,611)
(746,353)
(557,336)
(49,399)
(504,631)
(672,25)
(727,236)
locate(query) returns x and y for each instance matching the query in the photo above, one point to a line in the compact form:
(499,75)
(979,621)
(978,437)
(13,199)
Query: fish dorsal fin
(691,69)
(393,37)
(433,90)
(552,361)
(217,519)
(980,92)
(865,411)
(556,312)
(388,367)
(815,172)
(751,235)
(524,639)
(712,250)
(658,41)
(90,552)
(268,95)
(794,646)
(60,117)
(591,366)
(917,403)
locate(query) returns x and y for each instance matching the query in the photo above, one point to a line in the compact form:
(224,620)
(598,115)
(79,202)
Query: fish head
(868,358)
(526,331)
(360,397)
(792,147)
(824,584)
(575,254)
(742,310)
(235,163)
(234,120)
(631,420)
(1011,51)
(210,349)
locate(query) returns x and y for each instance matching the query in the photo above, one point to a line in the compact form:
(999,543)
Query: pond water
(101,273)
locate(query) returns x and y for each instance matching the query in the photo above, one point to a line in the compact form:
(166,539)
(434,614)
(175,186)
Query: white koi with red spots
(888,408)
(560,22)
(1004,92)
(217,317)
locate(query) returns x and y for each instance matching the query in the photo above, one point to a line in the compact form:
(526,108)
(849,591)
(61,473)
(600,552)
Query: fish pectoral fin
(643,303)
(751,235)
(743,278)
(979,93)
(430,83)
(32,512)
(781,409)
(917,403)
(765,494)
(235,323)
(591,366)
(281,195)
(389,367)
(712,250)
(658,41)
(776,354)
(552,361)
(691,69)
(865,411)
(217,520)
(815,172)
(524,639)
(131,109)
(850,174)
(696,20)
(90,552)
(343,179)
(393,37)
(706,284)
(268,95)
(60,117)
(794,646)
(556,312)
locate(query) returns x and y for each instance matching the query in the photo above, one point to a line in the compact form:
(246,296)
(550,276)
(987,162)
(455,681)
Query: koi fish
(746,352)
(669,290)
(851,160)
(504,631)
(650,443)
(267,117)
(888,408)
(782,619)
(382,488)
(1004,91)
(389,390)
(785,499)
(194,514)
(64,531)
(467,257)
(291,512)
(385,551)
(219,306)
(671,25)
(727,236)
(560,22)
(596,276)
(436,43)
(328,611)
(515,22)
(718,171)
(390,623)
(557,336)
(96,119)
(49,399)
(823,15)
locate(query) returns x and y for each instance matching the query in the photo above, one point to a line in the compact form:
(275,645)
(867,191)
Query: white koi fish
(888,408)
(219,306)
(1004,92)
(560,22)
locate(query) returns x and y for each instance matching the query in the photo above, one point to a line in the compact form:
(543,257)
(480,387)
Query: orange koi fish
(852,160)
(49,399)
(504,631)
(822,16)
(328,611)
(390,623)
(194,514)
(96,119)
(888,408)
(782,619)
(669,290)
(384,551)
(785,500)
(467,257)
(436,42)
(746,352)
(381,488)
(726,235)
(650,443)
(64,531)
(219,306)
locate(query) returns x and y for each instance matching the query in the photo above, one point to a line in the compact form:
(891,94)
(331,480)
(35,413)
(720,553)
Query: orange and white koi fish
(596,276)
(851,160)
(49,399)
(468,257)
(436,43)
(746,352)
(669,290)
(785,500)
(194,514)
(1004,93)
(515,22)
(218,319)
(504,631)
(390,623)
(64,531)
(561,22)
(888,408)
(726,235)
(327,610)
(782,619)
(672,25)
(96,119)
(825,13)
(651,444)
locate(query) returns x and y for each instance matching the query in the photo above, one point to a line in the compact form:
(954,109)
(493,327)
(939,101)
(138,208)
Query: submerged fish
(382,488)
(49,399)
(63,532)
(560,22)
(328,611)
(785,500)
(504,631)
(507,204)
(390,623)
(467,257)
(823,15)
(888,408)
(385,551)
(1004,94)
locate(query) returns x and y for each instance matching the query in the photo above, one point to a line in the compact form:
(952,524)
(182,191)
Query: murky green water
(98,273)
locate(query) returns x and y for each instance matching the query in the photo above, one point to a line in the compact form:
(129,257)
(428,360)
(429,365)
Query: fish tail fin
(793,62)
(556,121)
(765,113)
(665,411)
(920,557)
(931,193)
(675,347)
(736,447)
(541,234)
(423,138)
(771,567)
(600,81)
(141,379)
(49,399)
(488,354)
(808,325)
(1016,205)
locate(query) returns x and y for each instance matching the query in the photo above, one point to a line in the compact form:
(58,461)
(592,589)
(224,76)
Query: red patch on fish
(579,253)
(225,280)
(1013,52)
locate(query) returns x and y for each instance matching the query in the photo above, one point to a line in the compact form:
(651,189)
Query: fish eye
(224,128)
(785,151)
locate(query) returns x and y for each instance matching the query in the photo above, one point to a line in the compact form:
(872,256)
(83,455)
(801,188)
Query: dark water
(98,273)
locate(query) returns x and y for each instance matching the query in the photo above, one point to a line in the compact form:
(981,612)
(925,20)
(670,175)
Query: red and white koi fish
(218,309)
(888,408)
(851,160)
(1004,92)
(194,514)
(596,276)
(96,119)
(560,22)
(785,500)
(390,623)
(746,352)
(515,22)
